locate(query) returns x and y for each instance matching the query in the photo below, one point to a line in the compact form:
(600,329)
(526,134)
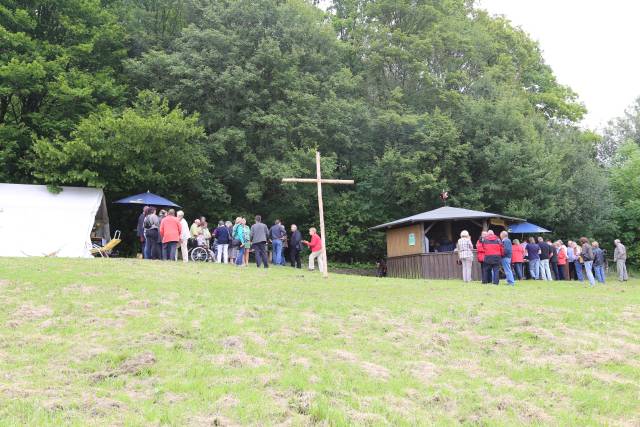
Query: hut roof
(444,214)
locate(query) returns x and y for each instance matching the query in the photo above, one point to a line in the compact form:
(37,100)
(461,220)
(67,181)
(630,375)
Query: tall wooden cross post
(319,181)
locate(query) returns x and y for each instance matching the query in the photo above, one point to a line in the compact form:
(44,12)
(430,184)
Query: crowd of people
(537,259)
(166,235)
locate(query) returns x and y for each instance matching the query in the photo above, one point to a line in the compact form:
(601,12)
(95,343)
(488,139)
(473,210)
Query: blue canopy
(147,198)
(526,227)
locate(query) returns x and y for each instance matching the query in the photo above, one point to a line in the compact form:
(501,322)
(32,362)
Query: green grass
(128,342)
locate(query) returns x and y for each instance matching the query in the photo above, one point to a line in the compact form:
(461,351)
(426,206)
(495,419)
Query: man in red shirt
(316,250)
(170,230)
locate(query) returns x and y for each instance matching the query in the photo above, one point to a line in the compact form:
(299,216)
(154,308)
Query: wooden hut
(421,246)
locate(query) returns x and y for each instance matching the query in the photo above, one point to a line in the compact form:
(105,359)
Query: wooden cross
(319,181)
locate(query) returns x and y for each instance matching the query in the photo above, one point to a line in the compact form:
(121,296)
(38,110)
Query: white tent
(37,222)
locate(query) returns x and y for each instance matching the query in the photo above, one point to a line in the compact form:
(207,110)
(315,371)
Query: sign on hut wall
(400,242)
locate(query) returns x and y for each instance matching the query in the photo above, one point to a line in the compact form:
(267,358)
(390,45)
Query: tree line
(212,102)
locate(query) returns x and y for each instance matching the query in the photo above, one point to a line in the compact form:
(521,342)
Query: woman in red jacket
(517,258)
(480,251)
(563,262)
(316,250)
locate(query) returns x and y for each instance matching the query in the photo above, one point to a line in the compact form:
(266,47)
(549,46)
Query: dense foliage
(213,102)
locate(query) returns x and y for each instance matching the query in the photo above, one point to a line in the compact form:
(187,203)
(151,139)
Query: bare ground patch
(135,365)
(28,313)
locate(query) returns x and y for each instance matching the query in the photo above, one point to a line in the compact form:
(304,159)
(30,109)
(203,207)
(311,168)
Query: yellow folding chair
(105,251)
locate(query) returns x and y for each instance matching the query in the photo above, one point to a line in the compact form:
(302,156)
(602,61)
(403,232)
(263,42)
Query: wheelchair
(200,253)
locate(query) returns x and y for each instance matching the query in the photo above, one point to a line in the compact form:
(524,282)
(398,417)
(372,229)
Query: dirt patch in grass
(232,342)
(227,401)
(135,365)
(301,402)
(27,313)
(247,314)
(210,421)
(301,361)
(256,339)
(424,371)
(238,360)
(376,371)
(80,288)
(372,369)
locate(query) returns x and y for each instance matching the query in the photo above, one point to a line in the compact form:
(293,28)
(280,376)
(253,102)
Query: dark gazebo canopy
(446,213)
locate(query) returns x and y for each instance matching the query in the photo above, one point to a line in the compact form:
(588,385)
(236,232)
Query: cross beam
(319,181)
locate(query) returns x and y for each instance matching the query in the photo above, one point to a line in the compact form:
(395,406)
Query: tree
(146,146)
(57,64)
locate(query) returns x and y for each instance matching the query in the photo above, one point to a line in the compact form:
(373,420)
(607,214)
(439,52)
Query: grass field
(127,342)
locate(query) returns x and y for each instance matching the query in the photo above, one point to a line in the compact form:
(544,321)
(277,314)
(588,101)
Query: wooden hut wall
(429,266)
(398,241)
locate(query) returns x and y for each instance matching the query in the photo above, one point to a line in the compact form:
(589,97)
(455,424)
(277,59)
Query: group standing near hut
(420,246)
(573,262)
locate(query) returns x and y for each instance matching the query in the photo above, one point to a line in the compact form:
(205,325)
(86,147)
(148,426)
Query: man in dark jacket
(140,232)
(295,246)
(277,234)
(223,238)
(545,257)
(506,258)
(259,237)
(493,252)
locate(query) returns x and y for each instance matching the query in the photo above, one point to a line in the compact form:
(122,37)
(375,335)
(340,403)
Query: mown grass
(128,342)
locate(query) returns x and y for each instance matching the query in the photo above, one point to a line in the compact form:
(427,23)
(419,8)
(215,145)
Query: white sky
(591,45)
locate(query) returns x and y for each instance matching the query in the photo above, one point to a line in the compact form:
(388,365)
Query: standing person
(315,245)
(545,256)
(247,240)
(480,251)
(170,231)
(234,243)
(492,256)
(222,245)
(599,262)
(620,258)
(587,259)
(161,216)
(553,260)
(295,247)
(239,242)
(577,264)
(533,253)
(465,254)
(152,227)
(259,236)
(277,233)
(517,258)
(507,254)
(184,237)
(563,265)
(140,232)
(571,259)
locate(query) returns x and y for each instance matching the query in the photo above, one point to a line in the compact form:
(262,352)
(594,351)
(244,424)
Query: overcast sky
(592,46)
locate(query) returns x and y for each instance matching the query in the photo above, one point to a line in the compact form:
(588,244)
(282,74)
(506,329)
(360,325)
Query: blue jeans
(506,266)
(545,269)
(534,268)
(277,252)
(240,256)
(588,266)
(578,267)
(519,271)
(599,272)
(169,251)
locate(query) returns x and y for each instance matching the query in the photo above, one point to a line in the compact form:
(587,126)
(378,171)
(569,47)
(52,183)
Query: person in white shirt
(184,237)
